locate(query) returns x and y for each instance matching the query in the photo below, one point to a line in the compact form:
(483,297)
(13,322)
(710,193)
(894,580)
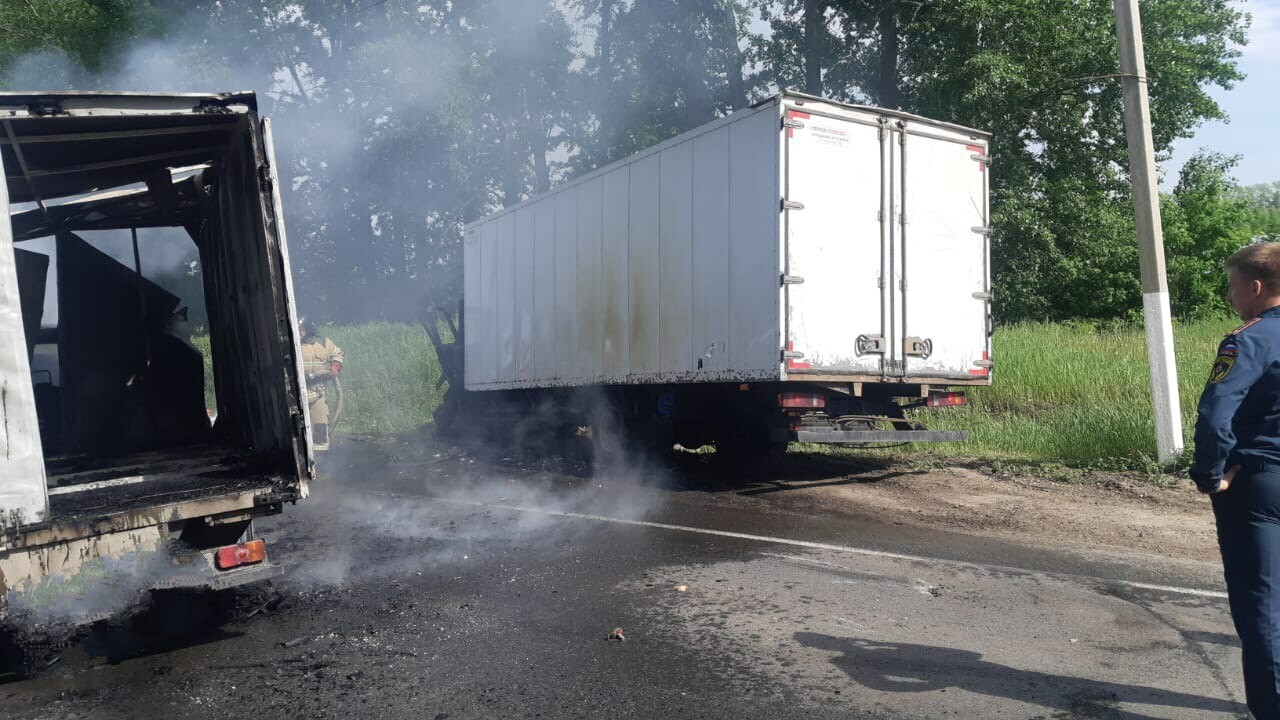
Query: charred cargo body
(118,478)
(802,270)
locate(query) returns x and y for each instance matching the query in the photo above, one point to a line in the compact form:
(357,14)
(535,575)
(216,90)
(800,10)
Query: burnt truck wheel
(27,656)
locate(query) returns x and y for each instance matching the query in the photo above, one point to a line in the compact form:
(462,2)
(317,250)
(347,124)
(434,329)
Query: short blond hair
(1259,261)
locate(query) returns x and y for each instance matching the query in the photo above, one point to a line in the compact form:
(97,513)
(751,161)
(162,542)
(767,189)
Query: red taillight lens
(802,400)
(243,554)
(946,399)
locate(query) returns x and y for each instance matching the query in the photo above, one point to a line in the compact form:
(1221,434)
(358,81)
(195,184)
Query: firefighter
(322,361)
(1237,462)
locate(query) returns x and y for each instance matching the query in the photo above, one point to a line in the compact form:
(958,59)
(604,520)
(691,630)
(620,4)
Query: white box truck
(114,482)
(790,272)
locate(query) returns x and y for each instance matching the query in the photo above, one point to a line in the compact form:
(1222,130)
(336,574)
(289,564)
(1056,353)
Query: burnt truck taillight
(249,553)
(807,401)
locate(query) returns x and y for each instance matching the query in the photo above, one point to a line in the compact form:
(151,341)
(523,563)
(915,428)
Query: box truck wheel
(750,440)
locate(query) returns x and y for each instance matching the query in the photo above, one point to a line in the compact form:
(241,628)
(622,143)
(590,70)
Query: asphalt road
(455,588)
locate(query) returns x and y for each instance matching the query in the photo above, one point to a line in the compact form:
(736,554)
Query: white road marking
(847,549)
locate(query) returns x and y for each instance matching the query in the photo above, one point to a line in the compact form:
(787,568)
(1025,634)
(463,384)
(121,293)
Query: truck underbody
(755,418)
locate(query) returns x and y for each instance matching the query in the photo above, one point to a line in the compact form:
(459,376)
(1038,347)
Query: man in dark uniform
(1237,462)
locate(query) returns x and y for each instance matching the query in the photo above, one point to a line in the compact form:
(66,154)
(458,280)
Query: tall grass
(1073,394)
(1076,394)
(389,379)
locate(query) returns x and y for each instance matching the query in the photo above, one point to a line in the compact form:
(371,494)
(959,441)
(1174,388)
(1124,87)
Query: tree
(659,67)
(1264,200)
(396,122)
(1205,220)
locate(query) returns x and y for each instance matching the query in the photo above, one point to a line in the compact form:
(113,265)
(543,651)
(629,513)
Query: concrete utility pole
(1146,202)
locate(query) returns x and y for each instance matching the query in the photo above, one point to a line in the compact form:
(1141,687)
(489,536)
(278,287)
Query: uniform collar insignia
(1247,324)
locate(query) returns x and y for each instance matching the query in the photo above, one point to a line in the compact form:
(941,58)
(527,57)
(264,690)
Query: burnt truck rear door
(23,492)
(295,380)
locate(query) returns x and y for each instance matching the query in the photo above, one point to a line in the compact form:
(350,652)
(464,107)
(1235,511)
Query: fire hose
(337,406)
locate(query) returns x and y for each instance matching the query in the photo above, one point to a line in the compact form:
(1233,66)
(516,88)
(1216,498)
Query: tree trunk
(601,139)
(733,62)
(538,144)
(889,94)
(812,47)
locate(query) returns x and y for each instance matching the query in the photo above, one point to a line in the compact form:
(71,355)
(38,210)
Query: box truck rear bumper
(842,437)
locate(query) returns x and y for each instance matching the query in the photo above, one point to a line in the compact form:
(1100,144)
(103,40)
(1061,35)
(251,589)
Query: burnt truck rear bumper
(855,437)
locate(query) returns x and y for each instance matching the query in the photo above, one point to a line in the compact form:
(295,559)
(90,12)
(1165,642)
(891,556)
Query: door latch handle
(870,345)
(917,347)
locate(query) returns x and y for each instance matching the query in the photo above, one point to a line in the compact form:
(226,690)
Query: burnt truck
(802,270)
(118,478)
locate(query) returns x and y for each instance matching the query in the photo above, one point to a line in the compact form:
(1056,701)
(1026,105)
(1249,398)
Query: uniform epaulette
(1243,327)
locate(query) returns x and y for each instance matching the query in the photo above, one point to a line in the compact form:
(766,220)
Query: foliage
(659,67)
(1265,202)
(1205,221)
(400,120)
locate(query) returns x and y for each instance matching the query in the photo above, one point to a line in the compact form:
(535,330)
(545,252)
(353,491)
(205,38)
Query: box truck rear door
(295,380)
(834,243)
(23,492)
(943,250)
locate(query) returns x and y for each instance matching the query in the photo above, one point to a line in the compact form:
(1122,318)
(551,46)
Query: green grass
(1072,396)
(388,380)
(1075,394)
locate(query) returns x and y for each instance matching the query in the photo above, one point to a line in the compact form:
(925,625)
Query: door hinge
(984,364)
(917,347)
(788,123)
(792,205)
(870,345)
(883,131)
(984,296)
(792,280)
(979,157)
(983,230)
(792,355)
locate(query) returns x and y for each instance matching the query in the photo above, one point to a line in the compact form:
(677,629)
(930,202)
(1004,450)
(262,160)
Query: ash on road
(428,583)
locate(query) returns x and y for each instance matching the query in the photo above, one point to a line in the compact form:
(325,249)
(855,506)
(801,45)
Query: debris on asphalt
(617,635)
(302,640)
(682,588)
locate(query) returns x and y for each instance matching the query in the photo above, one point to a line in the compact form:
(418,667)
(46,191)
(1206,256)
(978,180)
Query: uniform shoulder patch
(1244,327)
(1222,368)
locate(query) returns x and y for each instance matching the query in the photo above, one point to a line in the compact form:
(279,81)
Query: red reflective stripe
(795,115)
(982,166)
(796,364)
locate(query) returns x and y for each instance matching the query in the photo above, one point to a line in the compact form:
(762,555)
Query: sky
(1253,107)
